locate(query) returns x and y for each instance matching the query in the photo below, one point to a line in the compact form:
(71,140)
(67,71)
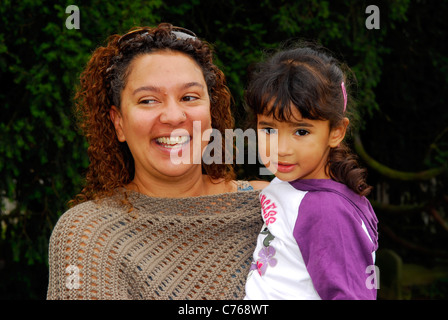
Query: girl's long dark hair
(309,79)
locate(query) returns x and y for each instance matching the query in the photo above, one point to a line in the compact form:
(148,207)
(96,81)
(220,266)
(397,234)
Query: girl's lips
(285,167)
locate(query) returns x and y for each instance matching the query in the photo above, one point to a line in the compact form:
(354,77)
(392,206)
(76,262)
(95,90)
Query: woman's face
(165,109)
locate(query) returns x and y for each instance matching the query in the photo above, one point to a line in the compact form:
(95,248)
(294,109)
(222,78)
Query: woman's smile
(173,142)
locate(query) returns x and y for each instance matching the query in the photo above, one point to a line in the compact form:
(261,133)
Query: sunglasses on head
(179,32)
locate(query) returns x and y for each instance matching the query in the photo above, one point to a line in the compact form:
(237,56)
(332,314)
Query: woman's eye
(189,98)
(302,132)
(147,101)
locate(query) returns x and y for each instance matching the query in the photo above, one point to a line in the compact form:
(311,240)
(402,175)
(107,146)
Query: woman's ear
(337,134)
(115,117)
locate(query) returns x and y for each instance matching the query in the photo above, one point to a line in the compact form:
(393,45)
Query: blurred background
(401,134)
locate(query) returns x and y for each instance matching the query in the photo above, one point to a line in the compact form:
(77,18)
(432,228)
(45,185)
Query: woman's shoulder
(220,186)
(245,185)
(83,207)
(258,184)
(86,214)
(76,212)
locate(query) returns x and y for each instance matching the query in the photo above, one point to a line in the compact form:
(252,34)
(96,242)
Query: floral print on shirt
(266,254)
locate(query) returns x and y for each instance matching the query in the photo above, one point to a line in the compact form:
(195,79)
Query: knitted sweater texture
(183,248)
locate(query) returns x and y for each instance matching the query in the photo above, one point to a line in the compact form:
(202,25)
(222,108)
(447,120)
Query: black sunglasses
(180,33)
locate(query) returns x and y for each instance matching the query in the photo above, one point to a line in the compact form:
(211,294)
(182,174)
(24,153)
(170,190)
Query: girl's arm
(336,250)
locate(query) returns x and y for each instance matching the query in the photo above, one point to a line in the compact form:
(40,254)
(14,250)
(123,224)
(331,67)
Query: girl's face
(299,148)
(164,100)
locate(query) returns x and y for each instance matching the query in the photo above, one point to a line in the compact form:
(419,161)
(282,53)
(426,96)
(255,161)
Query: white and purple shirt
(318,240)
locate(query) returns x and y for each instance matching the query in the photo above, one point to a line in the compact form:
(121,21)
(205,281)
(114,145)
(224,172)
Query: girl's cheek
(266,150)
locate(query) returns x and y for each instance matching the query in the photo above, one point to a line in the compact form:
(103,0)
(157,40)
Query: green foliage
(43,156)
(409,134)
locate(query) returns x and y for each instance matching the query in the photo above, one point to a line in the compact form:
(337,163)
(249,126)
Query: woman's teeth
(171,142)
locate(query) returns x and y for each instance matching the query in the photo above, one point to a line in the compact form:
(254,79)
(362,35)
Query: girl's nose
(284,146)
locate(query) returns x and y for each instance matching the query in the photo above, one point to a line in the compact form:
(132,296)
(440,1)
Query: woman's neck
(189,185)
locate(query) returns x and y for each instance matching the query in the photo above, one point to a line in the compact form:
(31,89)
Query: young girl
(320,233)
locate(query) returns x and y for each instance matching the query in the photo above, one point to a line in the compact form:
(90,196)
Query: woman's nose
(172,114)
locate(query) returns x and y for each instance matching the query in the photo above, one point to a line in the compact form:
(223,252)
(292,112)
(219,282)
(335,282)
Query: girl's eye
(302,132)
(269,130)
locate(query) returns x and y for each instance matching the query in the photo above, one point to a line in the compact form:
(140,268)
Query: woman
(146,226)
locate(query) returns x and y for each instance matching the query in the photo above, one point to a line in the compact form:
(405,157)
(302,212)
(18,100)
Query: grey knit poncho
(183,248)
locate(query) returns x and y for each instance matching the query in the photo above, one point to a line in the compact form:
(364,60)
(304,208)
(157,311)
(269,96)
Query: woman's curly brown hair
(111,164)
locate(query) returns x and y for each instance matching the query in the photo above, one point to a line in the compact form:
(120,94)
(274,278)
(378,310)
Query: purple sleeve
(335,248)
